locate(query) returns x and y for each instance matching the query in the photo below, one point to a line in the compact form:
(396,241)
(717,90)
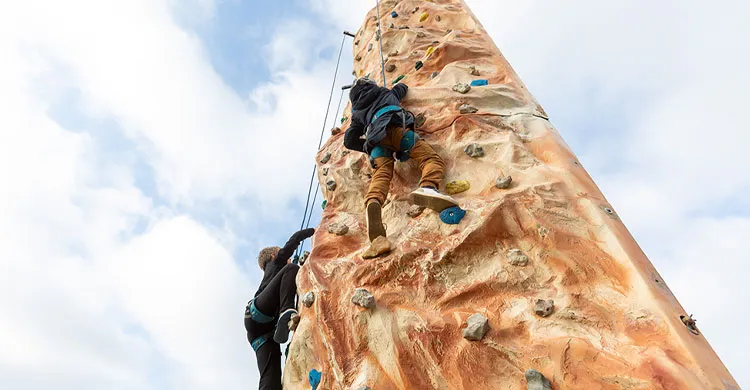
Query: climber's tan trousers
(430,164)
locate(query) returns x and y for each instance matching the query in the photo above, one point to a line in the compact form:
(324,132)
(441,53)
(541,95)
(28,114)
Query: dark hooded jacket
(367,98)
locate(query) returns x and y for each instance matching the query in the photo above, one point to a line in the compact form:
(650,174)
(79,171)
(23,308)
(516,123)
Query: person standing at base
(268,314)
(382,129)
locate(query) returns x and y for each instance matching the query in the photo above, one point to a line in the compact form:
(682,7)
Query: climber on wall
(269,313)
(381,128)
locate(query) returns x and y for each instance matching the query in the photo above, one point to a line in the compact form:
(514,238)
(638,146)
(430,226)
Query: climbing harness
(325,120)
(252,312)
(260,340)
(380,41)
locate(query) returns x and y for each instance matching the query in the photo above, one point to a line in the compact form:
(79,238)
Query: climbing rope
(380,40)
(322,131)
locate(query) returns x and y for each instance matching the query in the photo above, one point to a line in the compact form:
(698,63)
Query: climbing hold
(377,36)
(345,152)
(414,11)
(424,17)
(324,204)
(517,258)
(379,246)
(419,65)
(476,327)
(415,211)
(363,298)
(474,71)
(356,43)
(467,109)
(421,34)
(434,74)
(338,229)
(452,215)
(335,130)
(343,119)
(479,83)
(326,158)
(536,381)
(437,18)
(358,58)
(331,185)
(435,42)
(403,28)
(394,14)
(430,50)
(294,322)
(474,150)
(503,183)
(393,53)
(419,120)
(369,47)
(399,78)
(314,378)
(544,308)
(457,186)
(304,257)
(690,324)
(462,88)
(391,25)
(325,171)
(390,68)
(308,299)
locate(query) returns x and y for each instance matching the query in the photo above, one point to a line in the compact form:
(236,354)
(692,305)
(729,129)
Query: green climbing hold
(399,78)
(343,119)
(419,65)
(324,204)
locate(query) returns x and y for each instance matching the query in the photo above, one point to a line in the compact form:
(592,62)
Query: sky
(150,148)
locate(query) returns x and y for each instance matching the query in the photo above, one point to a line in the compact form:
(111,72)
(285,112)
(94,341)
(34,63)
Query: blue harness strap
(384,111)
(407,142)
(259,341)
(257,316)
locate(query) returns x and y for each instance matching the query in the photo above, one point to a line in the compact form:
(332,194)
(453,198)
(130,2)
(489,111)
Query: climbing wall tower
(542,256)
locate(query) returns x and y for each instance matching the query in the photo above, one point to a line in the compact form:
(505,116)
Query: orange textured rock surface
(614,325)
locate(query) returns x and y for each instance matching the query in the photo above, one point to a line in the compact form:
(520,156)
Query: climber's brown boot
(375,226)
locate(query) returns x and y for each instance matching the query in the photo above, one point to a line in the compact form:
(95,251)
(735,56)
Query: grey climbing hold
(345,152)
(338,229)
(356,43)
(474,150)
(391,25)
(462,88)
(308,299)
(326,158)
(325,171)
(437,18)
(393,53)
(421,34)
(434,74)
(474,71)
(536,381)
(467,109)
(363,298)
(419,120)
(503,183)
(414,11)
(358,58)
(377,36)
(476,327)
(517,258)
(403,28)
(544,308)
(415,211)
(331,185)
(369,47)
(335,130)
(390,67)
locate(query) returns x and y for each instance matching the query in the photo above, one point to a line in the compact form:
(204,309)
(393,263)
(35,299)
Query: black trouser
(275,298)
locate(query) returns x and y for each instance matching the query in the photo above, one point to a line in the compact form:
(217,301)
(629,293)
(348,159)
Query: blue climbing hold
(479,83)
(394,14)
(452,215)
(314,378)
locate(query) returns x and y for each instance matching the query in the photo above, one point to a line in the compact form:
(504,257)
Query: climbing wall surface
(543,256)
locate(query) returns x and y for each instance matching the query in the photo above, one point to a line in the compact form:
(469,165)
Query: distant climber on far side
(381,128)
(267,315)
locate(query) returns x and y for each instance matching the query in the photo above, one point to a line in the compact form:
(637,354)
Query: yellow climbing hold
(456,187)
(430,50)
(424,17)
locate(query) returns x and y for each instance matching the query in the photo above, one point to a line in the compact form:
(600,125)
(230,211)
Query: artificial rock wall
(564,286)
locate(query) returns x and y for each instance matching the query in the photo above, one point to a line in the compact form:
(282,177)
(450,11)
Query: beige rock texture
(615,324)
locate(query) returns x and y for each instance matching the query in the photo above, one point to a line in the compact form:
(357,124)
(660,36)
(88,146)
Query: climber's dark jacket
(367,98)
(274,266)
